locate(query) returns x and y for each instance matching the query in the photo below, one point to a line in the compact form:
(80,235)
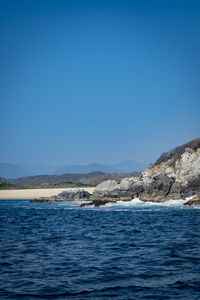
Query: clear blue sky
(97,81)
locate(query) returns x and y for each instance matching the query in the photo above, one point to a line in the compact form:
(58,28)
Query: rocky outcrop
(176,191)
(194,201)
(158,189)
(78,195)
(102,201)
(97,202)
(182,163)
(175,175)
(105,187)
(192,187)
(71,195)
(126,183)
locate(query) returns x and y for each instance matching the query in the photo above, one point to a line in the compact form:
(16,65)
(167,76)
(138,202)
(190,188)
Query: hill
(64,180)
(83,169)
(12,171)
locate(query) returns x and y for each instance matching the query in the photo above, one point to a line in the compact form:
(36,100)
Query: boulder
(192,186)
(118,193)
(103,188)
(47,199)
(176,191)
(162,182)
(158,189)
(71,195)
(128,189)
(96,202)
(126,183)
(99,202)
(137,187)
(77,195)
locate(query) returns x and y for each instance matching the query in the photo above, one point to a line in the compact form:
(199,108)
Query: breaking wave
(138,204)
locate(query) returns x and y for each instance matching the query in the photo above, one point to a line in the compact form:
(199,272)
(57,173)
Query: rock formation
(194,201)
(175,175)
(73,195)
(105,187)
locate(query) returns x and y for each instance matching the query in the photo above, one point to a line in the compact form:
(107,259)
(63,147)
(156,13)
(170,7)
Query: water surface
(130,250)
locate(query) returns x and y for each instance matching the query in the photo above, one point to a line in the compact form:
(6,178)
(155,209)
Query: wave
(137,203)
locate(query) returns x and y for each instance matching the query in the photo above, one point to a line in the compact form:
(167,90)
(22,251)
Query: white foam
(137,203)
(189,198)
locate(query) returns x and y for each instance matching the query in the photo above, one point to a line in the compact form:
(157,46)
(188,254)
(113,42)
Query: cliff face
(183,169)
(179,169)
(175,175)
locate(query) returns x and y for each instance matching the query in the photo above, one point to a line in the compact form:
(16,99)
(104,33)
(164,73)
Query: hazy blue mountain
(127,166)
(37,169)
(12,171)
(122,167)
(81,169)
(15,171)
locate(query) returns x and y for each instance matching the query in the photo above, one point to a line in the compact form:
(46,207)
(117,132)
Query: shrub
(177,152)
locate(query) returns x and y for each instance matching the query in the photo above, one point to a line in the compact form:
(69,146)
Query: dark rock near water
(46,199)
(74,195)
(158,189)
(118,193)
(176,191)
(99,202)
(193,186)
(194,201)
(162,183)
(78,195)
(96,203)
(137,188)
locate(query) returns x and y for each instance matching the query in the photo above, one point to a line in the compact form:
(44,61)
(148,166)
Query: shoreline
(35,193)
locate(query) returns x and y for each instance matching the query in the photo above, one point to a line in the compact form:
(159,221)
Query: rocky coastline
(175,175)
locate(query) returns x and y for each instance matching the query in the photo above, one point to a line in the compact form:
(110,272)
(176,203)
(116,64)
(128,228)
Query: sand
(34,193)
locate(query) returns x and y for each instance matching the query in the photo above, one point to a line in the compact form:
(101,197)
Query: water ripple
(135,251)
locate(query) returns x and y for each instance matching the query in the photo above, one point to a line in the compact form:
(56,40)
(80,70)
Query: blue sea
(130,250)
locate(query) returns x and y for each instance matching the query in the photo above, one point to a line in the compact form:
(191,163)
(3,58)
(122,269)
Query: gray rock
(194,201)
(77,195)
(176,191)
(137,188)
(192,187)
(118,194)
(158,189)
(74,195)
(96,203)
(105,187)
(162,183)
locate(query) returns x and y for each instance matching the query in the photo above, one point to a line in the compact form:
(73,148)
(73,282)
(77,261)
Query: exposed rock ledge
(71,195)
(194,201)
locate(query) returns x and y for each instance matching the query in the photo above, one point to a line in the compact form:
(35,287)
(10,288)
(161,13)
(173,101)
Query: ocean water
(130,250)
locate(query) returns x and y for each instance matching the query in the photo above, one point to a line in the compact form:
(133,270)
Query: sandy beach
(34,193)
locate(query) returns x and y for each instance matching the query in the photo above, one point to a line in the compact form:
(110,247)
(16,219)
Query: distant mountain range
(13,171)
(122,167)
(82,169)
(127,166)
